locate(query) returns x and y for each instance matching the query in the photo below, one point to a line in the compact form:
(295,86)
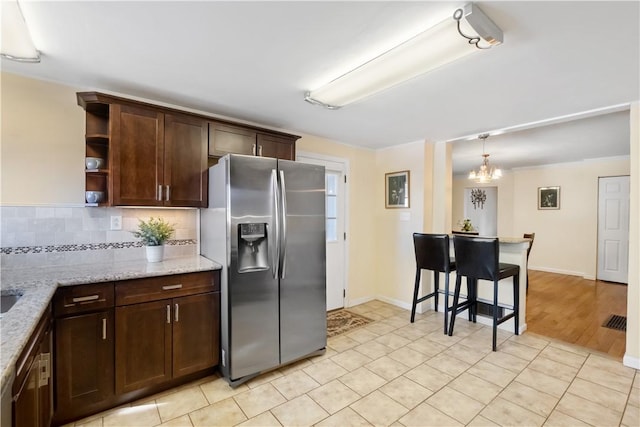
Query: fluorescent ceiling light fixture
(437,46)
(16,43)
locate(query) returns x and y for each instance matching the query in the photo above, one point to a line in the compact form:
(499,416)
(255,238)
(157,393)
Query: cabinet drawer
(83,298)
(157,288)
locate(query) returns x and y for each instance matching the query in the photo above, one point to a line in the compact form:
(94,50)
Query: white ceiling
(254,61)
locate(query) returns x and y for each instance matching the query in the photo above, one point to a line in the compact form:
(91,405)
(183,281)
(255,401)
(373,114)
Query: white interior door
(335,173)
(613,229)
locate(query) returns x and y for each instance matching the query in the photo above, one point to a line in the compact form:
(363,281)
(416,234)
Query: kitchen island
(38,285)
(513,250)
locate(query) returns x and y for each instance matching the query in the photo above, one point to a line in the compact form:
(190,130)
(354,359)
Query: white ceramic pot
(155,253)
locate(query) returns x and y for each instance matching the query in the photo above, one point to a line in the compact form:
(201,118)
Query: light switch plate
(116,222)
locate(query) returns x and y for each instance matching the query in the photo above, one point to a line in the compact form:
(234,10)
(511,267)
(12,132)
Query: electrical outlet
(116,222)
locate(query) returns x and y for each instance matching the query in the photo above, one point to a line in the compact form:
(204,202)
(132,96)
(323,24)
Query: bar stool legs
(416,288)
(471,306)
(432,253)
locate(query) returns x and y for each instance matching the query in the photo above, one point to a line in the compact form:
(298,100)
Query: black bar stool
(432,253)
(477,258)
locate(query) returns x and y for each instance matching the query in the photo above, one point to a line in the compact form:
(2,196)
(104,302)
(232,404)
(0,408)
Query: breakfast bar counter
(513,250)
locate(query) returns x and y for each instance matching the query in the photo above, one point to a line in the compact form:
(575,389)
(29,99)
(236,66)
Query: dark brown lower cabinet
(196,333)
(25,406)
(33,389)
(120,341)
(143,345)
(84,362)
(160,340)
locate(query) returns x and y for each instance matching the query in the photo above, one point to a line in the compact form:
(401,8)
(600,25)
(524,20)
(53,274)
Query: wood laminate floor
(573,309)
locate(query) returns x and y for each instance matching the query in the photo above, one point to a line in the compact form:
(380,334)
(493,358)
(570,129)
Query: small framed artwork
(396,190)
(548,197)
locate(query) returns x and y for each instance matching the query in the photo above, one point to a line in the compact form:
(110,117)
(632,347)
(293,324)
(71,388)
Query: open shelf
(97,138)
(97,145)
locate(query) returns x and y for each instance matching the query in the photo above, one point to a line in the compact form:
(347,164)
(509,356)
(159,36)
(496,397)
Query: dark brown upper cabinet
(158,156)
(224,139)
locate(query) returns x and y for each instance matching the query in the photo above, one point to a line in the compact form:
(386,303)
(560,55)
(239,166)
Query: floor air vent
(619,323)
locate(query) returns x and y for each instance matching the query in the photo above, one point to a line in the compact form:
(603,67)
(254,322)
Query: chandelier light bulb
(485,172)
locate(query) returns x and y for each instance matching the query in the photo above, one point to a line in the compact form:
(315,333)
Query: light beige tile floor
(392,372)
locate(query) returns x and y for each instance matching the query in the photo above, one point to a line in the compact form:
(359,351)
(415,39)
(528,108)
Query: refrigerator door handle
(275,237)
(283,243)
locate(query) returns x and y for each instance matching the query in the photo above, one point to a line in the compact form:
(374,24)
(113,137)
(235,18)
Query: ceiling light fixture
(16,43)
(428,50)
(485,173)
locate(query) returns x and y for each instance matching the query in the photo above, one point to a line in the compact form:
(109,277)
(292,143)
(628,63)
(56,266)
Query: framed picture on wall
(396,190)
(548,197)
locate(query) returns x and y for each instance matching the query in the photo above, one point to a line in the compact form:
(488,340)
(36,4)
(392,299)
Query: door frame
(324,159)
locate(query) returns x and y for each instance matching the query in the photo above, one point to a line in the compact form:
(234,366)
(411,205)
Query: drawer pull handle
(86,299)
(104,329)
(172,287)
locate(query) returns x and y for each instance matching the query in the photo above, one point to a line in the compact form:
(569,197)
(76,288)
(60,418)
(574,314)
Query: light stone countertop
(37,286)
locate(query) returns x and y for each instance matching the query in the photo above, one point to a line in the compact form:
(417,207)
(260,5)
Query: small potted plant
(466,225)
(153,234)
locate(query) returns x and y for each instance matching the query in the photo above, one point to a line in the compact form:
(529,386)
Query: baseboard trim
(560,271)
(357,301)
(397,303)
(632,362)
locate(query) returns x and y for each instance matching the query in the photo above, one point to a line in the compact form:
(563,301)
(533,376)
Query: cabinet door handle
(172,287)
(253,149)
(86,299)
(260,150)
(168,313)
(167,189)
(104,329)
(177,313)
(159,193)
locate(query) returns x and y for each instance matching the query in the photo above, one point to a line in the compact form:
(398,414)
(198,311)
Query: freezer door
(303,312)
(252,293)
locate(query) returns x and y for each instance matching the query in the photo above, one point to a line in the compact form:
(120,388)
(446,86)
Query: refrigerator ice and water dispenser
(253,252)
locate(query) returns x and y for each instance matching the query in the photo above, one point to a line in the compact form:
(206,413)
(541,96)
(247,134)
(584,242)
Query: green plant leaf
(154,232)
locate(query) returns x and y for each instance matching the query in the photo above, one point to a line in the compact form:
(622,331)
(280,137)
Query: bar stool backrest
(477,257)
(432,251)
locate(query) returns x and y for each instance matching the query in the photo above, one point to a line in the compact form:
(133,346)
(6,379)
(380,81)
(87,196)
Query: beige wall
(395,260)
(566,239)
(42,143)
(505,202)
(361,279)
(632,352)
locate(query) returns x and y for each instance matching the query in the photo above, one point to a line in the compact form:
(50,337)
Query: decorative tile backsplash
(36,236)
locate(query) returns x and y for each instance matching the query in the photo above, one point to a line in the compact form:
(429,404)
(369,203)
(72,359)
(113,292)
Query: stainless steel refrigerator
(266,225)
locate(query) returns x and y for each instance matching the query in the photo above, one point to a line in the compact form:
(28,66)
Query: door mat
(619,323)
(341,321)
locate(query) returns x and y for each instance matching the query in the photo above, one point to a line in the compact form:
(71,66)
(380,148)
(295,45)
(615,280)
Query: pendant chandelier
(486,173)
